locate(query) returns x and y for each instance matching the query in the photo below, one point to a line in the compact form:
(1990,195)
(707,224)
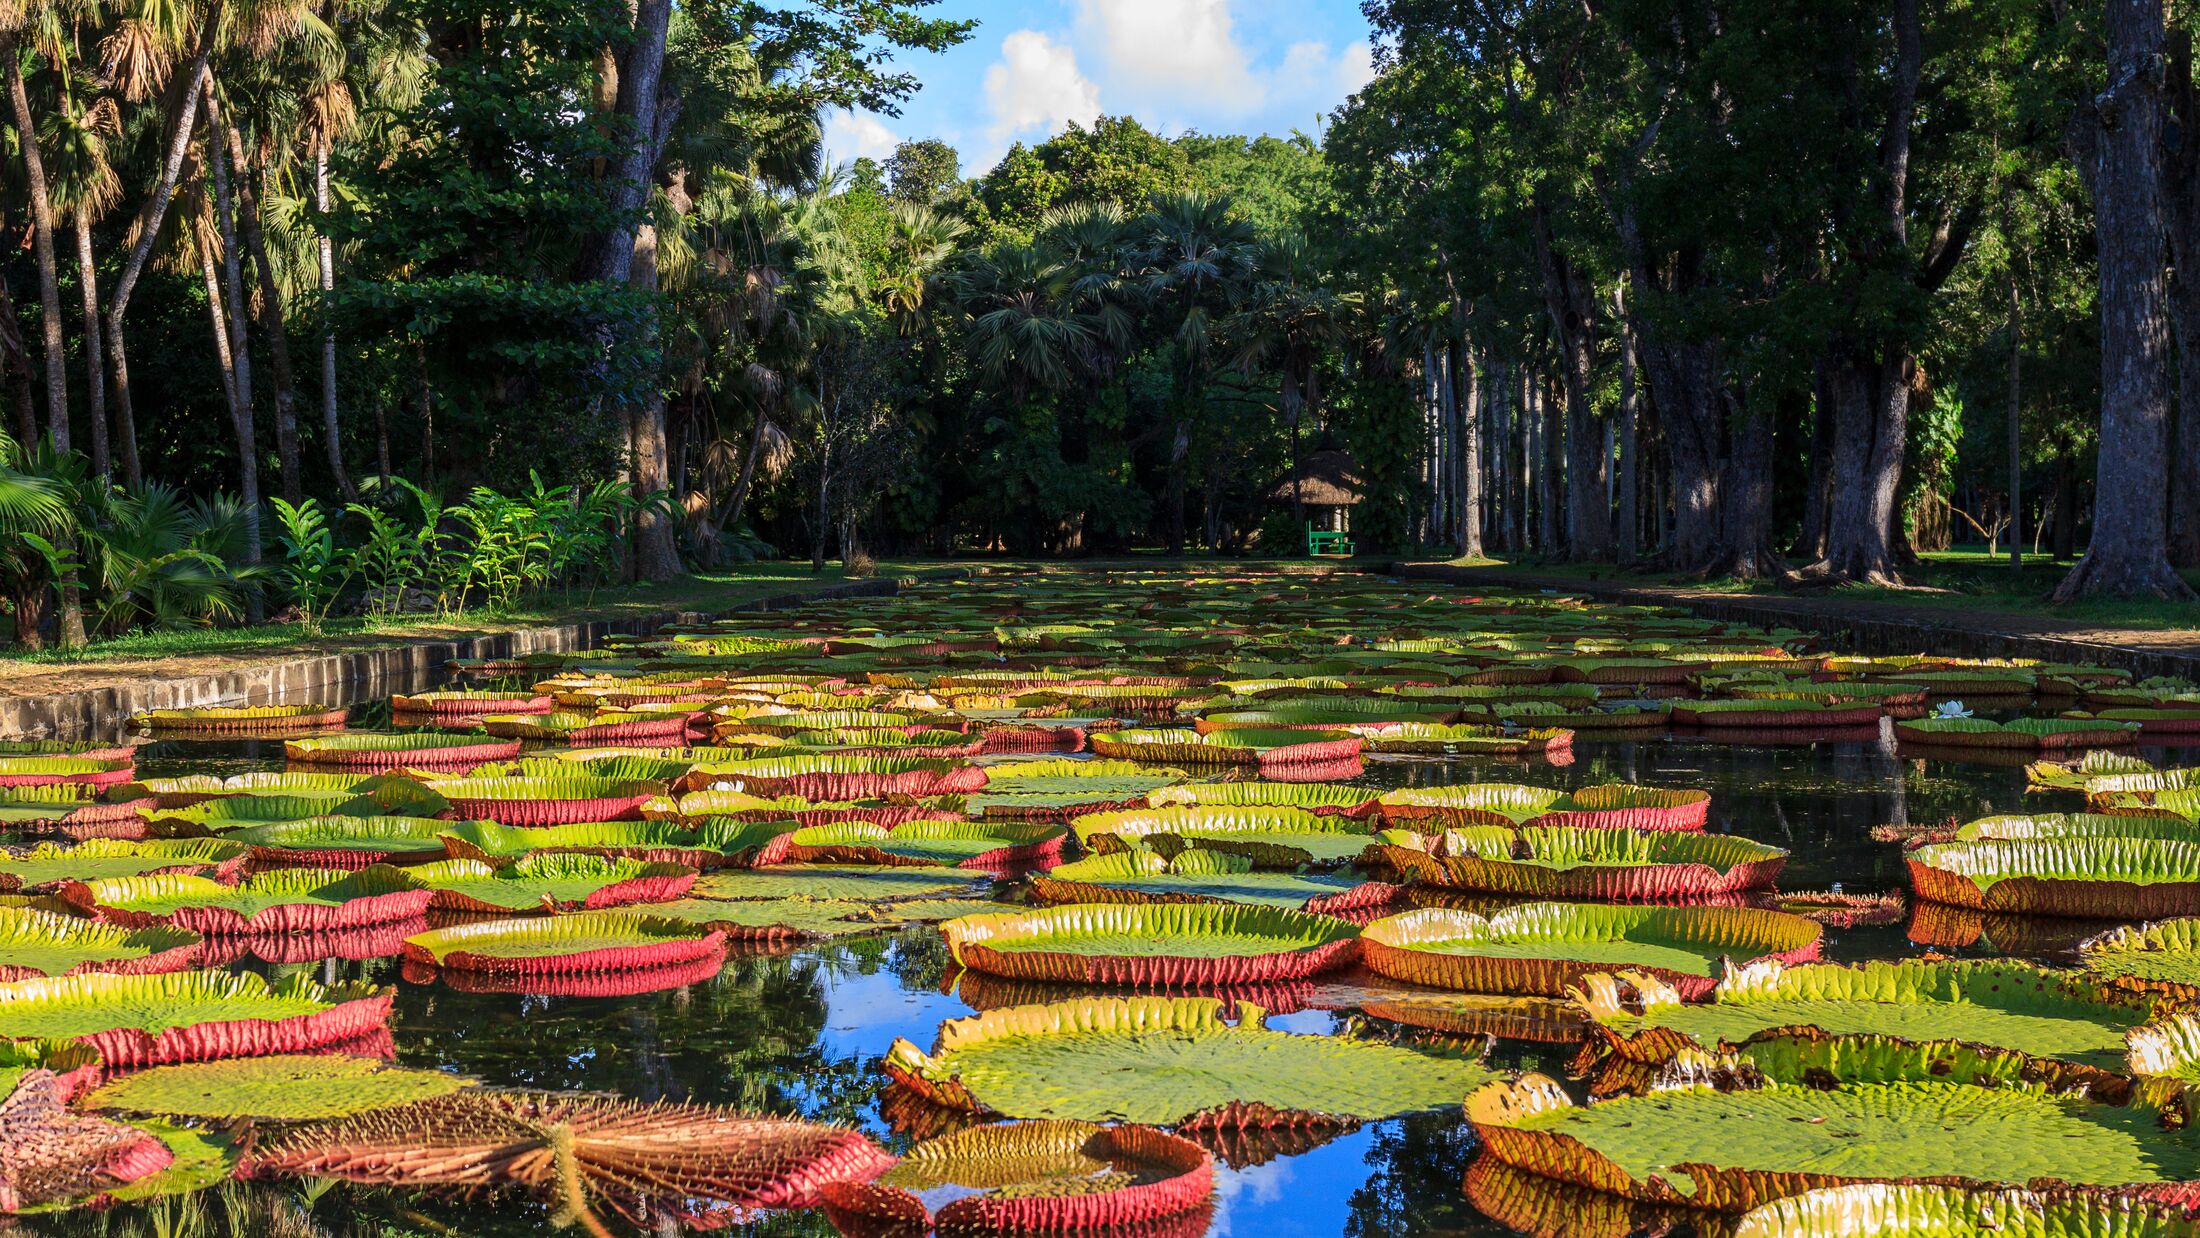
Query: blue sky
(1031,67)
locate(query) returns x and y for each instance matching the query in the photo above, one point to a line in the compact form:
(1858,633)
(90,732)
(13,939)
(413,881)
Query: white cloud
(1177,49)
(1036,89)
(857,135)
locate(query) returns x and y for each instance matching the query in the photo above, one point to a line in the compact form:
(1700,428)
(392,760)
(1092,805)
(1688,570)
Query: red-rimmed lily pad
(291,900)
(1178,944)
(366,750)
(41,943)
(1546,948)
(547,800)
(343,842)
(243,718)
(2134,878)
(190,1016)
(48,865)
(990,846)
(1923,1210)
(551,882)
(1037,1177)
(590,941)
(1239,746)
(1590,863)
(1170,1059)
(1273,836)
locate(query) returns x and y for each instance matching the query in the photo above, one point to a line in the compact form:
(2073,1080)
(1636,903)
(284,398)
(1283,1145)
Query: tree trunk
(1818,495)
(2016,436)
(15,358)
(1630,495)
(211,272)
(640,71)
(1469,517)
(49,285)
(1180,446)
(185,88)
(1568,300)
(1745,493)
(655,555)
(740,495)
(332,434)
(2128,553)
(1291,411)
(250,180)
(95,369)
(821,525)
(1549,528)
(2181,205)
(2066,507)
(240,415)
(1871,399)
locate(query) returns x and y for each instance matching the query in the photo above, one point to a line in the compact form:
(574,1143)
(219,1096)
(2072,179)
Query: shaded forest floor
(2146,640)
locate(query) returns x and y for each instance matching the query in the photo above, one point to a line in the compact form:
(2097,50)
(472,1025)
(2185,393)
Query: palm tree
(1026,331)
(85,187)
(1198,256)
(1288,321)
(923,240)
(42,23)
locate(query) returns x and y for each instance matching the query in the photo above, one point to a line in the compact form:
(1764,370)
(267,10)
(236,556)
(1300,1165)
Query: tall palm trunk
(240,356)
(185,88)
(49,285)
(250,178)
(331,432)
(95,370)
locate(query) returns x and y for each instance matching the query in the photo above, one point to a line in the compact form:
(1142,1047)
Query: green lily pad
(2162,957)
(547,879)
(289,1088)
(48,863)
(1272,836)
(43,943)
(1163,1059)
(837,881)
(1919,1210)
(1998,1003)
(1194,875)
(80,1005)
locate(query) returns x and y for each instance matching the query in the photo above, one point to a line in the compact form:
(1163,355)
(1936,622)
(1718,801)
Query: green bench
(1331,544)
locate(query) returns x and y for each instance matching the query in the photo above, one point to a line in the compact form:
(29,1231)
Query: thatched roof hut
(1326,479)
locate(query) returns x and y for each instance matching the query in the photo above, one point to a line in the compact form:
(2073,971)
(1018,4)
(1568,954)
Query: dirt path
(1874,627)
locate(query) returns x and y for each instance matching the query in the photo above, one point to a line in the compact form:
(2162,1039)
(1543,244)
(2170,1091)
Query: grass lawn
(712,591)
(1965,579)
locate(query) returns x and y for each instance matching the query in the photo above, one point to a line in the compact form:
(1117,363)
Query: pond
(798,1028)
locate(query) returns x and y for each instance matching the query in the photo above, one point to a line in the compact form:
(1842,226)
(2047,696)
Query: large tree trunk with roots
(250,180)
(95,370)
(2128,554)
(49,286)
(184,89)
(1871,416)
(1745,494)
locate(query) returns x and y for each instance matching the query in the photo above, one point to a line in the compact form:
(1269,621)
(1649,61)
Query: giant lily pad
(41,943)
(1832,1113)
(342,841)
(291,900)
(713,844)
(549,882)
(1274,837)
(1038,1177)
(1594,863)
(282,1087)
(50,1155)
(694,1162)
(1244,746)
(1199,876)
(1546,948)
(546,800)
(1921,1210)
(1198,943)
(1613,805)
(828,881)
(2075,825)
(47,864)
(1164,1060)
(366,750)
(1471,739)
(45,770)
(840,776)
(2160,958)
(2000,1003)
(190,1016)
(2071,876)
(591,941)
(243,718)
(1317,797)
(991,846)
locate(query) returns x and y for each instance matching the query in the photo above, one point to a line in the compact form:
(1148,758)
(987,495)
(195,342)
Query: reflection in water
(797,1031)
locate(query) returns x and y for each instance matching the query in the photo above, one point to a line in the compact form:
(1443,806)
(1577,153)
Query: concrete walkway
(1872,627)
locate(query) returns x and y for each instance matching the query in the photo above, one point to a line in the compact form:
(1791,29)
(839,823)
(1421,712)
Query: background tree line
(1801,289)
